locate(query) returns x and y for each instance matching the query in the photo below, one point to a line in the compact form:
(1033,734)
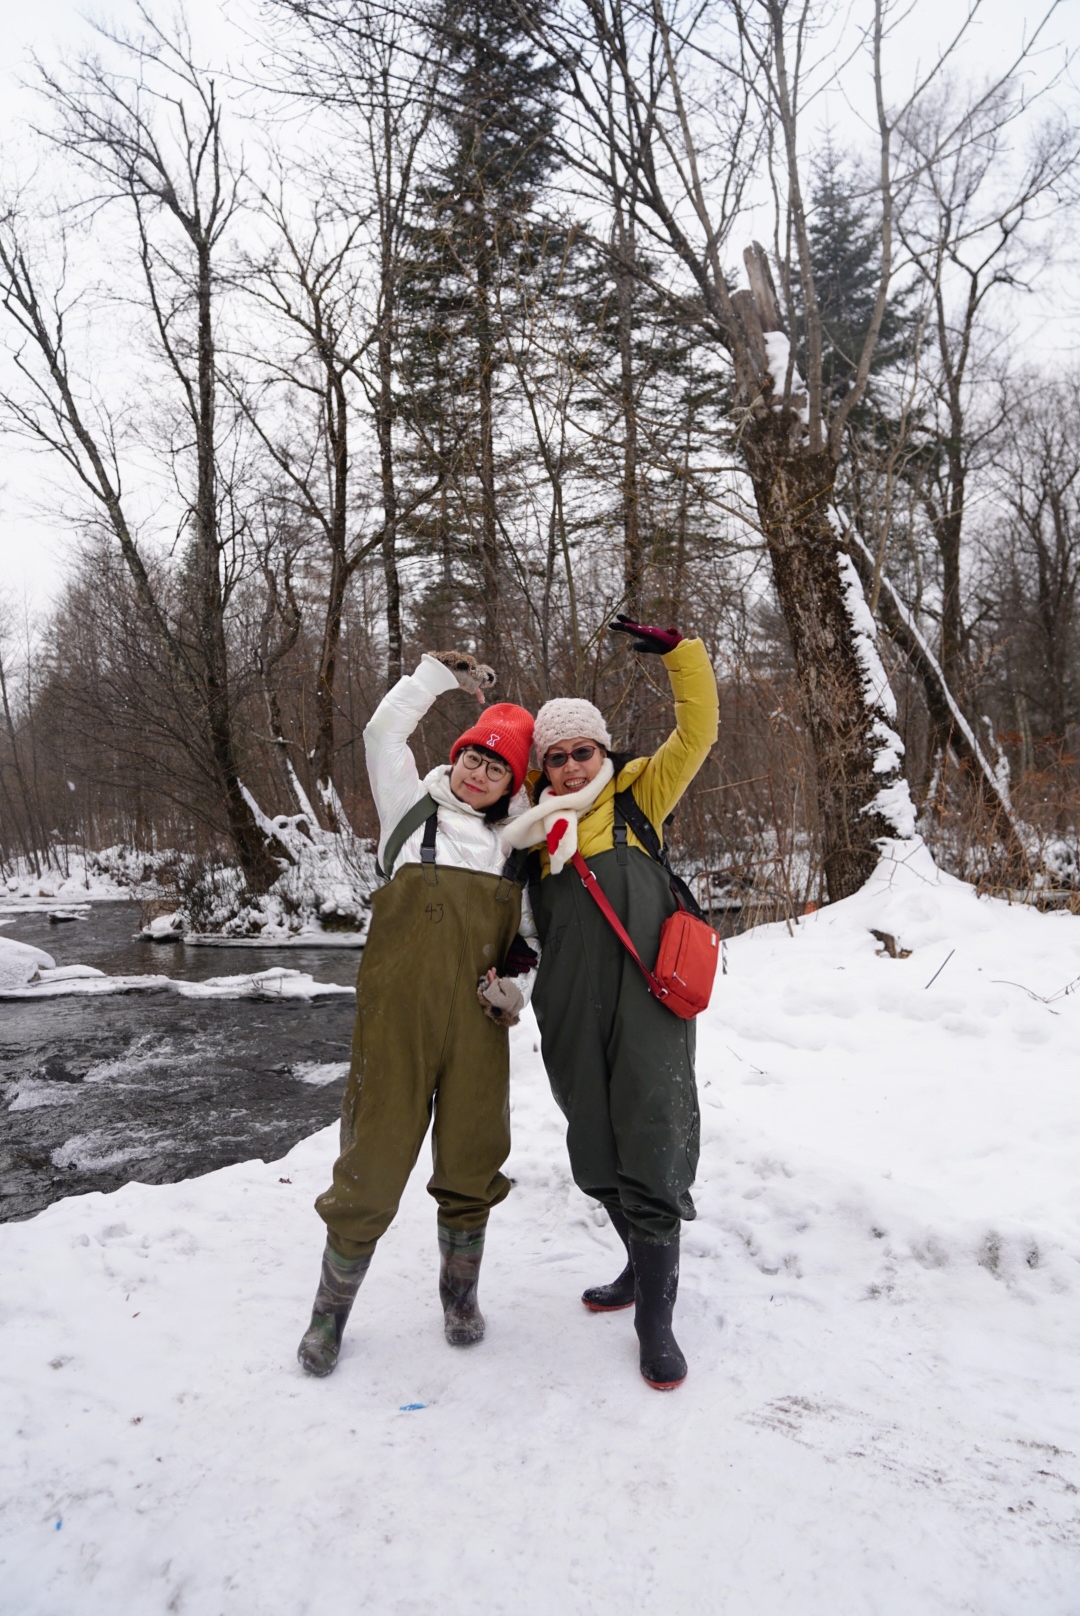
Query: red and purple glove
(520,959)
(656,641)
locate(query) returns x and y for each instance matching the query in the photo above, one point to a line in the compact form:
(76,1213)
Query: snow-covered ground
(87,879)
(880,1304)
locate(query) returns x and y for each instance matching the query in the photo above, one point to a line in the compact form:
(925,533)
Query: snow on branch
(893,800)
(998,778)
(778,349)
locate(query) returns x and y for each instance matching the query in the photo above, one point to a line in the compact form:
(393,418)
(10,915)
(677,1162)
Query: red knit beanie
(504,729)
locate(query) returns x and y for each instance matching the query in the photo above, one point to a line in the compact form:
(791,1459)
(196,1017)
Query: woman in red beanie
(446,970)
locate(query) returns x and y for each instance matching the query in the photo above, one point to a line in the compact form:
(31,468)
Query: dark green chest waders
(423,1046)
(621,1067)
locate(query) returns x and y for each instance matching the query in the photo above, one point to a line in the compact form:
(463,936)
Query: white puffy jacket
(463,839)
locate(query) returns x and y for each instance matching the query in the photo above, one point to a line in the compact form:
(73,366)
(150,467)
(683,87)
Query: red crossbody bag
(685,969)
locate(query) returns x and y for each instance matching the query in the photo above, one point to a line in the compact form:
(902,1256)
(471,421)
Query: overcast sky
(33,548)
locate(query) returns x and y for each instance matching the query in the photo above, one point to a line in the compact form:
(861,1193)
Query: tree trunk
(338,442)
(489,532)
(30,838)
(848,719)
(259,867)
(949,730)
(792,491)
(385,430)
(633,561)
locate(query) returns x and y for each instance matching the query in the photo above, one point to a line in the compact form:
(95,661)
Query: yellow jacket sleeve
(659,781)
(666,775)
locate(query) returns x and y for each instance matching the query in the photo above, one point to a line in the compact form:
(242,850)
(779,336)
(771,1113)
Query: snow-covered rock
(69,973)
(278,983)
(880,1303)
(165,928)
(20,963)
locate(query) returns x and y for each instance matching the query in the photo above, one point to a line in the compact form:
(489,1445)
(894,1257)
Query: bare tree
(309,284)
(694,93)
(149,136)
(25,812)
(973,226)
(1034,553)
(373,72)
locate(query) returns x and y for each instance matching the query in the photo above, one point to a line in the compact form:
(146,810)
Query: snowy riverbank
(321,898)
(27,972)
(880,1304)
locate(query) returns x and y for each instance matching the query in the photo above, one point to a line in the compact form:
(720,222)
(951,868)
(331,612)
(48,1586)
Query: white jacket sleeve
(392,771)
(527,933)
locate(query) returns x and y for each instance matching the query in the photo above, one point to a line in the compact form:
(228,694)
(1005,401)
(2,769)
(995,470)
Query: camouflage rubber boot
(460,1251)
(338,1284)
(620,1293)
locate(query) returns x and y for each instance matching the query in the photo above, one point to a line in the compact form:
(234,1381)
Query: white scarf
(558,817)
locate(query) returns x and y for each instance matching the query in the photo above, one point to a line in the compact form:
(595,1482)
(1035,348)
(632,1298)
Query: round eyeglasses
(495,770)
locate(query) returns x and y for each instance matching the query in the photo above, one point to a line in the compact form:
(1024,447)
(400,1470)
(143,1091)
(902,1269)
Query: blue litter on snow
(409,1408)
(59,1524)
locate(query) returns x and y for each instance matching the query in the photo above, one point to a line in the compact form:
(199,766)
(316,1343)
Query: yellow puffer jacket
(658,781)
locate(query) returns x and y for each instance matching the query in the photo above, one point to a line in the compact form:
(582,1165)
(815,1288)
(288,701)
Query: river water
(96,1091)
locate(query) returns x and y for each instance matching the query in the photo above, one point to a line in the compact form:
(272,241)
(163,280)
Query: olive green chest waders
(422,1044)
(621,1066)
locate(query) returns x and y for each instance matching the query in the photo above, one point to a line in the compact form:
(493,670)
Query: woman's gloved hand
(473,676)
(500,999)
(655,641)
(520,958)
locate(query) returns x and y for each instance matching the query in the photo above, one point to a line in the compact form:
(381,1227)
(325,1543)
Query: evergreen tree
(845,257)
(656,396)
(470,247)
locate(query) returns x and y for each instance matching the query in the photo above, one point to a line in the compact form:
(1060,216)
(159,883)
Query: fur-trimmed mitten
(473,676)
(501,1001)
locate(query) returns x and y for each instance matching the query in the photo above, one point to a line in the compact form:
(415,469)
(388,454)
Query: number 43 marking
(434,912)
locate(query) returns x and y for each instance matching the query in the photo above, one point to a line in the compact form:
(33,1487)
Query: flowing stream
(96,1091)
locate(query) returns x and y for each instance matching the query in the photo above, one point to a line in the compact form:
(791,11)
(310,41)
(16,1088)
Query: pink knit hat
(565,717)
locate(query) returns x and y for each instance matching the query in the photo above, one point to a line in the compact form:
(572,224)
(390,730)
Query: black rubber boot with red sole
(656,1282)
(620,1293)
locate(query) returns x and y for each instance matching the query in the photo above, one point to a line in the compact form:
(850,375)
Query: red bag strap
(599,897)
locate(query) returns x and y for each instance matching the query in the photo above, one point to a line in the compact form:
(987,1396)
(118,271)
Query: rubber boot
(656,1284)
(338,1284)
(620,1293)
(460,1252)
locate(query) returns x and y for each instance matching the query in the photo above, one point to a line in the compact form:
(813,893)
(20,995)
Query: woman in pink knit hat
(621,1064)
(446,970)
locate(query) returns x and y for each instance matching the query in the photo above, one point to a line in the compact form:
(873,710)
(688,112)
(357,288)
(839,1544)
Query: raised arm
(392,771)
(395,779)
(693,684)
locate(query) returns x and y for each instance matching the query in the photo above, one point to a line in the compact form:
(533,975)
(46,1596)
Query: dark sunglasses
(580,754)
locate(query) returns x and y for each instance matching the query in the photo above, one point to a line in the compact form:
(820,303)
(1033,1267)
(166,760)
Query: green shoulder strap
(643,828)
(403,830)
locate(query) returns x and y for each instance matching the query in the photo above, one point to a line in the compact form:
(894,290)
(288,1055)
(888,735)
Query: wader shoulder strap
(534,872)
(514,873)
(628,809)
(427,850)
(426,808)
